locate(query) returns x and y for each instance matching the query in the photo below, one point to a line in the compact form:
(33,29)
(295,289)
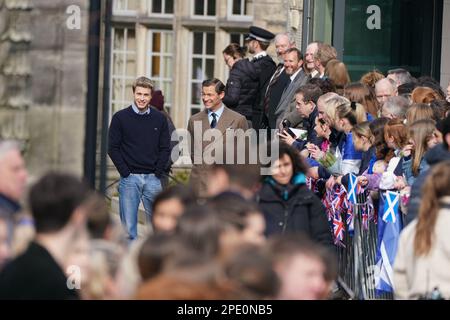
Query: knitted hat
(157,100)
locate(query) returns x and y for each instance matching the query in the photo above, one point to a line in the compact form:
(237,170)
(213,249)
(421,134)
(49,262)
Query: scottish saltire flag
(352,188)
(391,206)
(389,227)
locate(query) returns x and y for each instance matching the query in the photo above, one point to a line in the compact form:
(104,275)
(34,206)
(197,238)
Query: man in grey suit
(293,68)
(215,116)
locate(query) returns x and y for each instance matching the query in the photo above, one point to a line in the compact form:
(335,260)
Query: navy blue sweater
(139,143)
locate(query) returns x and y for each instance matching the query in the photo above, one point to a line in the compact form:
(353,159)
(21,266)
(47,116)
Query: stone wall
(43,80)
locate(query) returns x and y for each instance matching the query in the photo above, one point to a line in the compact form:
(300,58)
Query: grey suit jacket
(287,101)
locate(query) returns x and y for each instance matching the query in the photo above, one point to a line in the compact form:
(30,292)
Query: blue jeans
(132,190)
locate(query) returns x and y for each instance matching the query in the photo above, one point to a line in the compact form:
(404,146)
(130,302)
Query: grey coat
(287,101)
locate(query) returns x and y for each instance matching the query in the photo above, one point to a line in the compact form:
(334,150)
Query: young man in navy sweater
(139,146)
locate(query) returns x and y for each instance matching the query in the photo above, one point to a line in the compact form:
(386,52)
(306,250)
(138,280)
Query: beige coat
(415,276)
(228,121)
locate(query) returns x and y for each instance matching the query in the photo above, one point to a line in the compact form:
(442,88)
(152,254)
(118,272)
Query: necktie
(274,79)
(287,86)
(214,120)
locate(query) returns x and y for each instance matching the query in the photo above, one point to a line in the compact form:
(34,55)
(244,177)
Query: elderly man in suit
(293,68)
(279,80)
(209,147)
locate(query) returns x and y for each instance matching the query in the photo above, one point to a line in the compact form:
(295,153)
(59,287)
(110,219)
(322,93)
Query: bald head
(384,89)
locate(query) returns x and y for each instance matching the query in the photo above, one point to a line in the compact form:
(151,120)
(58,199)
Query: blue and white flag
(389,227)
(391,206)
(352,188)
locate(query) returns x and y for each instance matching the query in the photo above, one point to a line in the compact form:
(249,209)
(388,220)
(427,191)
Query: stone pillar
(180,112)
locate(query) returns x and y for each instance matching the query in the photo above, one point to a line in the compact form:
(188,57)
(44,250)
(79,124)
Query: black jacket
(265,68)
(433,156)
(35,275)
(302,212)
(308,125)
(242,88)
(276,91)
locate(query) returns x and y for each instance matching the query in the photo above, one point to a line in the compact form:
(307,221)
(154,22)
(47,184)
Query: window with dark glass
(205,7)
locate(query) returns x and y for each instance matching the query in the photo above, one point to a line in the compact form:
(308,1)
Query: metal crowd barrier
(357,258)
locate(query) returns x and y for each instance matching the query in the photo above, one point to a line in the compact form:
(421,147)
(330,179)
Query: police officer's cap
(259,34)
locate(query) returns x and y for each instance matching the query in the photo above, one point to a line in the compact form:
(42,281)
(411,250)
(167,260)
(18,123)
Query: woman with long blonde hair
(422,137)
(348,114)
(423,258)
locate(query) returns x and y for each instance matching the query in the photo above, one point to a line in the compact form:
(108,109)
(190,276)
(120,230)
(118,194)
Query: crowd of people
(233,233)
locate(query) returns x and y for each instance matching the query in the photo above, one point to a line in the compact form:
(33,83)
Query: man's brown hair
(143,82)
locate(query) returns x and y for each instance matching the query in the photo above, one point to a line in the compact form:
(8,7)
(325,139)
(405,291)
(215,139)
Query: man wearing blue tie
(215,116)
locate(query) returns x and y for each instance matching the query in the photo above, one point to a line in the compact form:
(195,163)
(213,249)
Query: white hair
(397,106)
(290,37)
(8,145)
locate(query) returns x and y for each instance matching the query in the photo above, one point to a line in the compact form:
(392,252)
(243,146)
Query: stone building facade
(43,82)
(179,43)
(43,64)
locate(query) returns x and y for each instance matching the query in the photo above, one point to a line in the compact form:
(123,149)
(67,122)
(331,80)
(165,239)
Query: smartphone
(286,125)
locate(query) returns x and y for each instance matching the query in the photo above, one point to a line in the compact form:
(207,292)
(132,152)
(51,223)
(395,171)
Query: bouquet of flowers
(328,159)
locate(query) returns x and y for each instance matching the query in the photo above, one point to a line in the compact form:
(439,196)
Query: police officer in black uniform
(258,40)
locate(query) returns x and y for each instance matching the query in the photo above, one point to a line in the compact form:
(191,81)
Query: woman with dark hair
(168,206)
(360,93)
(337,71)
(422,262)
(242,86)
(287,203)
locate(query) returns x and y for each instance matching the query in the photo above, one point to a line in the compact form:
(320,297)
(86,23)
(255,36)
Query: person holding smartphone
(305,98)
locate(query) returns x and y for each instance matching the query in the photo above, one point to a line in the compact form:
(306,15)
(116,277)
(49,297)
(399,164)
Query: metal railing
(357,258)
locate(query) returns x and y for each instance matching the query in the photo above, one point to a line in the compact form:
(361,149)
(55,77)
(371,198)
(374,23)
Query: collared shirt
(295,74)
(260,55)
(135,109)
(314,73)
(218,113)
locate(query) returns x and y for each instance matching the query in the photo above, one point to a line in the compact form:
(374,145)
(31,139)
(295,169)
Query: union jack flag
(328,204)
(350,218)
(338,229)
(338,201)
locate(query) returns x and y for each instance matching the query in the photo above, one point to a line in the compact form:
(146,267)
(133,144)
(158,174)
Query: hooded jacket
(294,208)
